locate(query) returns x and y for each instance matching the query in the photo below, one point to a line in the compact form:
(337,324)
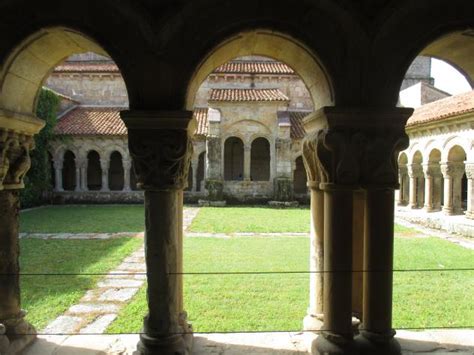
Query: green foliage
(38,179)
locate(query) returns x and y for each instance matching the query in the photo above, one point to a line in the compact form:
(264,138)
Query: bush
(38,180)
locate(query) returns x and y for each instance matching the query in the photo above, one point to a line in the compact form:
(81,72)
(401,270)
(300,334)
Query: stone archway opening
(233,159)
(94,171)
(300,179)
(116,172)
(200,174)
(455,184)
(260,160)
(69,171)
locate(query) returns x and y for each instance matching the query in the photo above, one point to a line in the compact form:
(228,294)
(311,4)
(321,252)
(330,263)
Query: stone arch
(299,176)
(273,45)
(456,181)
(69,171)
(116,171)
(452,142)
(260,163)
(94,170)
(233,158)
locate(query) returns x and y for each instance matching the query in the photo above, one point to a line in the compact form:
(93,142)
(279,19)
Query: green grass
(269,302)
(251,219)
(83,219)
(46,297)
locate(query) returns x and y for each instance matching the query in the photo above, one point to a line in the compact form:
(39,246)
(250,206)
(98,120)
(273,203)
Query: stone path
(99,307)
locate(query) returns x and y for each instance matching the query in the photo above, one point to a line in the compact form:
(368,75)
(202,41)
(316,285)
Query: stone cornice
(20,123)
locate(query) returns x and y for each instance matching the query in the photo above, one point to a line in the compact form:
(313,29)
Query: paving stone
(63,324)
(111,282)
(121,294)
(140,277)
(99,325)
(131,266)
(94,308)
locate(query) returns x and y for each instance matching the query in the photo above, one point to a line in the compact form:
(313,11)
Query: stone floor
(459,342)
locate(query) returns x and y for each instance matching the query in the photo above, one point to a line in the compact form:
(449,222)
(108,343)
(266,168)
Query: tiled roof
(237,95)
(99,121)
(87,67)
(442,109)
(254,67)
(296,120)
(200,114)
(91,121)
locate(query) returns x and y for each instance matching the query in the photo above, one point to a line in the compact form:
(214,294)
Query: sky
(447,78)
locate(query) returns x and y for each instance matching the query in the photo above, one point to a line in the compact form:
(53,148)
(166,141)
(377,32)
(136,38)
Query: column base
(374,344)
(166,345)
(333,344)
(469,215)
(313,322)
(15,335)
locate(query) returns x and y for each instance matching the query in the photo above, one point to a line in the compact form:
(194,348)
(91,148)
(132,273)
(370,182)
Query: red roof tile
(296,120)
(106,121)
(442,109)
(254,67)
(87,67)
(237,95)
(91,121)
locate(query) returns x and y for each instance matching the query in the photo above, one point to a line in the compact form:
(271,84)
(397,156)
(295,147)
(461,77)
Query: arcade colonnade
(344,52)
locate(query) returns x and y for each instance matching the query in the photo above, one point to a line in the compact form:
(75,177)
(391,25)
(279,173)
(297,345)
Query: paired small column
(79,175)
(194,165)
(127,166)
(415,172)
(161,149)
(452,174)
(403,191)
(432,187)
(58,173)
(104,166)
(247,158)
(470,190)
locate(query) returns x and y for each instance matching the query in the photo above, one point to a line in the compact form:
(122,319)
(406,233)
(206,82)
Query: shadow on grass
(47,296)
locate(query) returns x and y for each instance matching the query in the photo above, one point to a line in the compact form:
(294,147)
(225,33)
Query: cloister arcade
(344,51)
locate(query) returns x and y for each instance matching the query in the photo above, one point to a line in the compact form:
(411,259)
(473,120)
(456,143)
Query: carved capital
(469,167)
(452,170)
(415,171)
(432,170)
(161,148)
(314,171)
(58,163)
(14,158)
(104,164)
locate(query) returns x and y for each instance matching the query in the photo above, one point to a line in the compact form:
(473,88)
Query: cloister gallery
(352,58)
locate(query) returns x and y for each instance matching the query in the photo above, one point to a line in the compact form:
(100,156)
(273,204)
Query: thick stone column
(58,175)
(415,172)
(380,179)
(15,332)
(452,174)
(314,318)
(247,161)
(105,166)
(161,148)
(470,190)
(127,166)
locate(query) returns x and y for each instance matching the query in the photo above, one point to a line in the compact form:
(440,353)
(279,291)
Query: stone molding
(161,148)
(355,146)
(452,170)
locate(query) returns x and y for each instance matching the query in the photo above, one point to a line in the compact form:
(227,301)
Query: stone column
(402,171)
(79,175)
(380,179)
(104,167)
(58,172)
(247,161)
(15,332)
(452,174)
(314,318)
(194,164)
(127,166)
(161,148)
(415,172)
(358,229)
(470,190)
(429,187)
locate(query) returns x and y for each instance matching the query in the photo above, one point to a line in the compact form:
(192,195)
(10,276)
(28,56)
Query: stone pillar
(58,172)
(161,148)
(79,175)
(314,318)
(194,164)
(214,181)
(15,332)
(105,166)
(415,172)
(400,192)
(127,166)
(429,187)
(470,190)
(247,161)
(452,174)
(358,230)
(379,178)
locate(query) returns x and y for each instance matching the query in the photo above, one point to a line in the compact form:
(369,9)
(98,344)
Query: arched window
(94,171)
(69,171)
(233,159)
(299,177)
(200,171)
(260,160)
(116,173)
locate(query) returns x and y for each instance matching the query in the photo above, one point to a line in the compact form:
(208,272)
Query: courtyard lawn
(83,219)
(251,219)
(268,302)
(46,297)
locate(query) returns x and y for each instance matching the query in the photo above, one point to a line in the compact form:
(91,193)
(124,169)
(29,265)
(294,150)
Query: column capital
(15,159)
(415,171)
(160,146)
(432,170)
(358,145)
(469,168)
(58,163)
(452,170)
(104,164)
